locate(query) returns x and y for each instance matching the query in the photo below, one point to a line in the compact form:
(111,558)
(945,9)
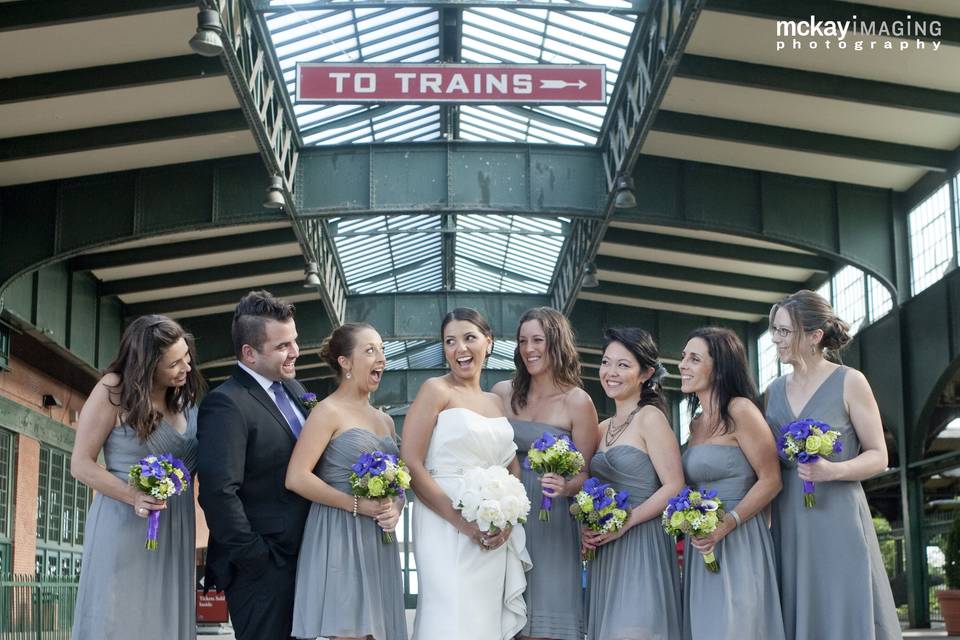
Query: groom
(247,428)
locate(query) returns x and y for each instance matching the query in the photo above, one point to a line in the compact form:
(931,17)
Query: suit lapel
(261,396)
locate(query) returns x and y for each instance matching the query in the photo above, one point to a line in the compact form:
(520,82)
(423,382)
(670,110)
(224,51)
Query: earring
(348,375)
(490,350)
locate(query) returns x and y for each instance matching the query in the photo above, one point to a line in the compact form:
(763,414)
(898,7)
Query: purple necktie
(283,403)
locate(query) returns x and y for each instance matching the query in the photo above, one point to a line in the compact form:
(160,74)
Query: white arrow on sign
(560,84)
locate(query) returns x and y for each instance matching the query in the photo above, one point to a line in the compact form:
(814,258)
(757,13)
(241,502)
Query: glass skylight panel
(504,34)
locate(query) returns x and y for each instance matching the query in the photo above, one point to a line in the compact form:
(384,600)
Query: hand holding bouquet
(805,441)
(161,477)
(694,513)
(379,475)
(553,454)
(601,508)
(493,498)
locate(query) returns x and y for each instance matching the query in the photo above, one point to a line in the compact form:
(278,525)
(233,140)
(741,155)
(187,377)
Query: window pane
(849,290)
(880,302)
(931,240)
(767,360)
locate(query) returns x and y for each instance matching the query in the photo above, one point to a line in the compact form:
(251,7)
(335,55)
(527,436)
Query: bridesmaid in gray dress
(730,451)
(349,583)
(115,601)
(546,394)
(634,590)
(859,602)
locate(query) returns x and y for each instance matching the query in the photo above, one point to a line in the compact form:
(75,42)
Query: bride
(471,583)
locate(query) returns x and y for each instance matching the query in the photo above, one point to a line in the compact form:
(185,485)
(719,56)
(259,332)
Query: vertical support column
(25,506)
(911,492)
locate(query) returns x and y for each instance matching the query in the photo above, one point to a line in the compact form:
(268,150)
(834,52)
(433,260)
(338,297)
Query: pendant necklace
(614,431)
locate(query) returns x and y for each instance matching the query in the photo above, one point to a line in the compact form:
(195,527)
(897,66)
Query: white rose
(488,513)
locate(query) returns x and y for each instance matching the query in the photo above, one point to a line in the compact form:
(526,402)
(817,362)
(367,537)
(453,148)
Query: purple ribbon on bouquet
(153,528)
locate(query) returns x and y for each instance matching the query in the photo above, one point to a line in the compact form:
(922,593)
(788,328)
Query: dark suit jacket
(245,445)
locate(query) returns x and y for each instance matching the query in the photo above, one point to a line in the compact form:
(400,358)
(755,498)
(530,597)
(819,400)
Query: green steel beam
(47,222)
(678,244)
(801,140)
(690,274)
(33,424)
(823,85)
(449,177)
(205,300)
(668,328)
(831,10)
(108,77)
(116,135)
(199,276)
(417,316)
(170,251)
(249,58)
(45,13)
(847,223)
(702,301)
(650,60)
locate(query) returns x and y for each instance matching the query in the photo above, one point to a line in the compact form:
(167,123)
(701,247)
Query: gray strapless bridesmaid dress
(126,591)
(634,585)
(348,581)
(742,599)
(554,597)
(833,543)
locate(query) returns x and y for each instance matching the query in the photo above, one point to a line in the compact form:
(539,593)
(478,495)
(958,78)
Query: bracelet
(736,516)
(355,505)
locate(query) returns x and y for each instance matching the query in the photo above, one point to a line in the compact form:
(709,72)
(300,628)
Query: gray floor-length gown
(554,596)
(634,585)
(348,581)
(126,591)
(741,600)
(834,543)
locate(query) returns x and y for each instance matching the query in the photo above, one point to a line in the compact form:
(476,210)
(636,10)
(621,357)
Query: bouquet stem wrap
(153,528)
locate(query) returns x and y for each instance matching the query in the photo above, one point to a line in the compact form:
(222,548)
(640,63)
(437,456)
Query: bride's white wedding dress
(466,593)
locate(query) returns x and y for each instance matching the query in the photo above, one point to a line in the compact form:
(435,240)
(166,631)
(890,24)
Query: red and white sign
(212,606)
(454,83)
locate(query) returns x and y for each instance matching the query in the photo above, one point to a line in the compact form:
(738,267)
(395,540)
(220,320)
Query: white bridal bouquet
(492,498)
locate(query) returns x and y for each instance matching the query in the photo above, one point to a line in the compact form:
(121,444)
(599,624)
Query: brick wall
(26,386)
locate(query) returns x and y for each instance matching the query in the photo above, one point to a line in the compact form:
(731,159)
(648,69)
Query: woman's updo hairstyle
(640,343)
(341,343)
(808,312)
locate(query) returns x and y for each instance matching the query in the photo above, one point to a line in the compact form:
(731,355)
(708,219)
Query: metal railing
(36,607)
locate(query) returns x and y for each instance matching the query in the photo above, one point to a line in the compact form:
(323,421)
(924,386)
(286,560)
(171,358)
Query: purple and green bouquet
(553,454)
(806,441)
(599,507)
(694,513)
(379,475)
(161,477)
(309,400)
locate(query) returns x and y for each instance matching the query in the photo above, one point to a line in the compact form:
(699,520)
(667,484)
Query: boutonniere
(309,400)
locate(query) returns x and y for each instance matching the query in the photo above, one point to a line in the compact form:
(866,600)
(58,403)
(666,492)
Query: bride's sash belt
(447,472)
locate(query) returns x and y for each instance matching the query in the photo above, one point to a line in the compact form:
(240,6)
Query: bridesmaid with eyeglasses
(835,540)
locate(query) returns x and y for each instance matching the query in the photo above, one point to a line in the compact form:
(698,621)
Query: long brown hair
(561,345)
(730,377)
(142,346)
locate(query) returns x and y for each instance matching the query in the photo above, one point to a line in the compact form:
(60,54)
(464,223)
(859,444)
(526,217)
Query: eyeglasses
(782,332)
